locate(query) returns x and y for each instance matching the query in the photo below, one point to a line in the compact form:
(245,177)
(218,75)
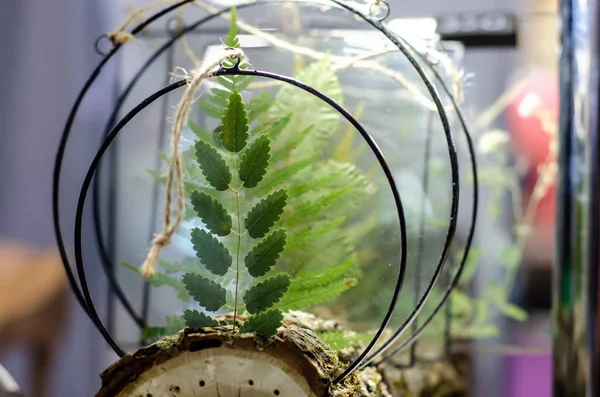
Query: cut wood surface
(295,363)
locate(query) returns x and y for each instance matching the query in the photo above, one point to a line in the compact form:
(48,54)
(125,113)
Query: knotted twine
(163,239)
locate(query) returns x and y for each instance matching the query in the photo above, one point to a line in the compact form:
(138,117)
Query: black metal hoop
(235,70)
(451,147)
(85,301)
(471,230)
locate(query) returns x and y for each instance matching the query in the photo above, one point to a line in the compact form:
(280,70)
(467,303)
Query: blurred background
(47,342)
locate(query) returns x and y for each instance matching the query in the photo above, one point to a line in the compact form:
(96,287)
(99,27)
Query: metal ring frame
(452,154)
(83,295)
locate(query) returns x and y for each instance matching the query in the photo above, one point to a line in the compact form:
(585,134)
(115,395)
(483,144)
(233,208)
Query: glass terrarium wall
(134,192)
(366,91)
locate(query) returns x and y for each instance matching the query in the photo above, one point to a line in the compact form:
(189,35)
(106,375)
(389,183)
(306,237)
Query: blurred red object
(537,93)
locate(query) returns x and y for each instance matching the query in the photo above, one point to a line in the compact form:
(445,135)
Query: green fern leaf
(195,319)
(314,185)
(286,172)
(211,109)
(309,110)
(264,255)
(213,214)
(303,298)
(234,126)
(200,132)
(310,208)
(207,293)
(213,166)
(290,145)
(161,279)
(273,128)
(255,161)
(259,105)
(232,39)
(218,96)
(263,324)
(211,252)
(266,293)
(265,213)
(339,340)
(310,233)
(308,279)
(174,324)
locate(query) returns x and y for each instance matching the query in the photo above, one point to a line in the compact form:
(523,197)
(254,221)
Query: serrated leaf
(213,254)
(303,298)
(286,172)
(234,124)
(259,105)
(290,145)
(195,319)
(278,126)
(213,214)
(232,35)
(263,256)
(264,324)
(200,132)
(213,166)
(314,185)
(207,293)
(308,109)
(266,293)
(160,279)
(265,213)
(210,109)
(310,233)
(255,161)
(309,279)
(313,208)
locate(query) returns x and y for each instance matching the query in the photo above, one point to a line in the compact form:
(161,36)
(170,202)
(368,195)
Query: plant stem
(237,259)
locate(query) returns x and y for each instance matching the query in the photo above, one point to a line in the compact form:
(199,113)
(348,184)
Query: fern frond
(310,233)
(339,340)
(343,149)
(303,298)
(314,208)
(308,279)
(281,175)
(174,324)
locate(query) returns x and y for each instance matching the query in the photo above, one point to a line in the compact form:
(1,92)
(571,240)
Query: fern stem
(237,259)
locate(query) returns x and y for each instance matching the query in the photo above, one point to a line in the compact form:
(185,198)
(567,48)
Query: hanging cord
(148,269)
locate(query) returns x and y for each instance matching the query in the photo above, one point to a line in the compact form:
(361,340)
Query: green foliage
(263,256)
(213,254)
(255,161)
(174,324)
(497,294)
(265,323)
(213,166)
(302,298)
(261,176)
(207,293)
(265,214)
(213,214)
(234,127)
(339,340)
(266,293)
(195,319)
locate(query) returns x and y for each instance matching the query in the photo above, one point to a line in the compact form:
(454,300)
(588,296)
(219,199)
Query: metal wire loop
(377,6)
(97,42)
